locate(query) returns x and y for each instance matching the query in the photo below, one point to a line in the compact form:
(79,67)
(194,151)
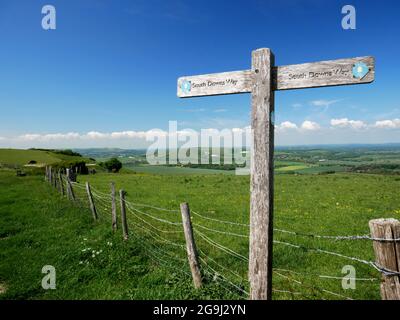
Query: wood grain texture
(114,222)
(387,255)
(91,202)
(262,177)
(321,74)
(191,245)
(216,84)
(125,231)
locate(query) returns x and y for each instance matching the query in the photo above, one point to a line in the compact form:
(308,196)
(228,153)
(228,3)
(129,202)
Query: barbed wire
(220,221)
(154,207)
(219,231)
(351,237)
(221,247)
(323,251)
(325,276)
(220,265)
(157,253)
(287,291)
(152,226)
(313,287)
(217,274)
(157,237)
(151,216)
(333,237)
(103,198)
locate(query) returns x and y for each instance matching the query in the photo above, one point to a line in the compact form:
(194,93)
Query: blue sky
(112,66)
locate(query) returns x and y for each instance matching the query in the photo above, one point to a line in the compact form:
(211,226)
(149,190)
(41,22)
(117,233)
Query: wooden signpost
(262,81)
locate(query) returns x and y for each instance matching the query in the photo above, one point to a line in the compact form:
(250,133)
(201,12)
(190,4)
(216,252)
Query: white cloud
(287,125)
(130,134)
(297,105)
(310,126)
(323,103)
(220,110)
(49,137)
(390,124)
(346,123)
(95,135)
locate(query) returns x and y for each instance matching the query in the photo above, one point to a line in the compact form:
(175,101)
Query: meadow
(38,227)
(17,157)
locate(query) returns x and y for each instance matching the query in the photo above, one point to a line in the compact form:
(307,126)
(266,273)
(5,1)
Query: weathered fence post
(190,245)
(125,231)
(50,176)
(60,179)
(46,175)
(71,175)
(54,175)
(262,177)
(70,191)
(387,255)
(91,202)
(55,179)
(113,208)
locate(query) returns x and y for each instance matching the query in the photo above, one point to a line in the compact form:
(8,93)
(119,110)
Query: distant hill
(39,158)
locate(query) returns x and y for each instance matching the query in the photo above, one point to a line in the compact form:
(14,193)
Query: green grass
(176,170)
(20,157)
(37,227)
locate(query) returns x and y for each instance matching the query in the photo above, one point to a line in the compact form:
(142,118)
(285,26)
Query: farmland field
(175,170)
(149,266)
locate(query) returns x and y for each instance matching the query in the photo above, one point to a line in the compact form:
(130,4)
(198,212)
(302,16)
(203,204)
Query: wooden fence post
(387,255)
(190,245)
(46,174)
(125,231)
(54,175)
(91,202)
(113,208)
(71,175)
(262,177)
(55,180)
(70,191)
(60,179)
(50,176)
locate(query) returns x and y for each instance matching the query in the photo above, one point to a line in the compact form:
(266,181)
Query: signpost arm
(261,185)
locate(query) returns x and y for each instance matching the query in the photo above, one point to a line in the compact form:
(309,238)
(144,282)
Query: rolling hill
(19,157)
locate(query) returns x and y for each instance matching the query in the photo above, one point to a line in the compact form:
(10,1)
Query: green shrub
(112,165)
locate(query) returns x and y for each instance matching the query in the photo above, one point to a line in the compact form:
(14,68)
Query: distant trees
(75,166)
(112,165)
(67,152)
(381,168)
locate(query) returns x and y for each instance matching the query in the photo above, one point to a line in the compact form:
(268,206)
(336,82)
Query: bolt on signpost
(262,81)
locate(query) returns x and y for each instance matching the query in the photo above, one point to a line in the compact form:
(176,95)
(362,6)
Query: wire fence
(223,252)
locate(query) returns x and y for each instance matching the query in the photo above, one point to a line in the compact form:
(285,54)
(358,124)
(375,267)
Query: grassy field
(38,227)
(20,157)
(149,266)
(175,170)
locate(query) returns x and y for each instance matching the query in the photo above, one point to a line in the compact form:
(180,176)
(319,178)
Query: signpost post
(262,81)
